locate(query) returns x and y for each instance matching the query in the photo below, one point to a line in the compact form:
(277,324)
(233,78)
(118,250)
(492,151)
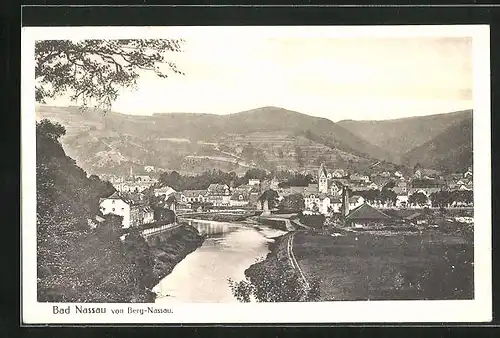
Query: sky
(337,78)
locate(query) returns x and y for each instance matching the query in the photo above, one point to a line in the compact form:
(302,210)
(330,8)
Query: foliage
(381,196)
(299,156)
(313,221)
(292,202)
(180,182)
(389,185)
(94,70)
(297,180)
(271,196)
(447,198)
(424,183)
(164,215)
(418,198)
(272,281)
(77,262)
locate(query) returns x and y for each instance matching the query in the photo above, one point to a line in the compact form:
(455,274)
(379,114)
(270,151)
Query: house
(218,189)
(466,186)
(274,184)
(148,215)
(171,202)
(239,199)
(335,188)
(322,203)
(190,196)
(417,218)
(427,191)
(359,178)
(131,211)
(253,181)
(312,201)
(338,173)
(468,173)
(143,178)
(398,174)
(379,181)
(365,215)
(335,204)
(246,188)
(218,194)
(164,191)
(385,174)
(149,168)
(401,199)
(355,201)
(130,186)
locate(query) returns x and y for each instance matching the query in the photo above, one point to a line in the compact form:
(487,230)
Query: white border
(477,310)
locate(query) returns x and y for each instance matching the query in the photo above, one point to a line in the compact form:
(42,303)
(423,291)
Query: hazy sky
(355,78)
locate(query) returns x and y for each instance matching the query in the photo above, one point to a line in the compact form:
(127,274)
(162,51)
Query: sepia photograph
(242,168)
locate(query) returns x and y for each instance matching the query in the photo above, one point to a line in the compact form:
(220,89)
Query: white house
(359,178)
(355,201)
(239,199)
(253,181)
(131,211)
(312,201)
(401,200)
(164,191)
(190,196)
(148,215)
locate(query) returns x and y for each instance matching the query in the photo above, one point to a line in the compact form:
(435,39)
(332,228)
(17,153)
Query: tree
(389,185)
(292,202)
(299,156)
(271,196)
(417,198)
(93,71)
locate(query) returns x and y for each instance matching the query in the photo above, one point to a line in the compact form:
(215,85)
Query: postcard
(285,174)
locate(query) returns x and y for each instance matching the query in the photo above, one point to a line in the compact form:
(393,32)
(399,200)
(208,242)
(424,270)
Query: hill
(399,136)
(76,263)
(450,150)
(267,137)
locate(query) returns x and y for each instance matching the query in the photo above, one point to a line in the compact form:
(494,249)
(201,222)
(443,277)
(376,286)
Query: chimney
(345,203)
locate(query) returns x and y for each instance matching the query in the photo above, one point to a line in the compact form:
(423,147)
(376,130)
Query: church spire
(322,179)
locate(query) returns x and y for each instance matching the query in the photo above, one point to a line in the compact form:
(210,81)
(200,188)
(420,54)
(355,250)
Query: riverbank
(169,248)
(276,278)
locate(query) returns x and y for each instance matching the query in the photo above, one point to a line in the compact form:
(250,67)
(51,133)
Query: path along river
(228,250)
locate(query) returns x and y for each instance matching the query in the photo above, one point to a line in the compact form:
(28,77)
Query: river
(228,250)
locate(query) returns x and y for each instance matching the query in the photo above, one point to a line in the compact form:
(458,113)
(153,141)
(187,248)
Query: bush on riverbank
(169,248)
(274,280)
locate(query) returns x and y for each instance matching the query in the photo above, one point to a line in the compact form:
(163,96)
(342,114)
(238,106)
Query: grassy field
(367,266)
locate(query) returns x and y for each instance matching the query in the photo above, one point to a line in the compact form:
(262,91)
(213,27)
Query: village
(336,198)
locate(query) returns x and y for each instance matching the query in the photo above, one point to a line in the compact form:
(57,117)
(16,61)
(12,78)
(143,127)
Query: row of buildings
(325,196)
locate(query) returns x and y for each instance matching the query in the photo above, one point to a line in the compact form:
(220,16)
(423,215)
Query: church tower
(322,180)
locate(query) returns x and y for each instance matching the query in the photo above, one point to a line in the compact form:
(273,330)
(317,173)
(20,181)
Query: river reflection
(228,250)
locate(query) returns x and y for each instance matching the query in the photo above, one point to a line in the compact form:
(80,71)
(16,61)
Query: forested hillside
(76,262)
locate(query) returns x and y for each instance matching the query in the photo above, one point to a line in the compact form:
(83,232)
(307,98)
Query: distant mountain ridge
(399,136)
(452,148)
(266,137)
(271,137)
